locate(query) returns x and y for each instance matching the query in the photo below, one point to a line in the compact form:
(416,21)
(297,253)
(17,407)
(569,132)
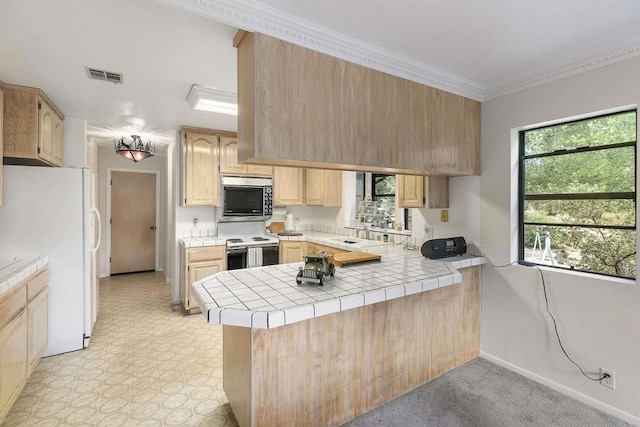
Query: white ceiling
(480,49)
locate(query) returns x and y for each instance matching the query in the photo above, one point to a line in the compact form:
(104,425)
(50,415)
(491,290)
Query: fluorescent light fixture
(214,100)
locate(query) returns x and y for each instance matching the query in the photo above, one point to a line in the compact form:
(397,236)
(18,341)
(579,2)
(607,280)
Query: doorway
(133,219)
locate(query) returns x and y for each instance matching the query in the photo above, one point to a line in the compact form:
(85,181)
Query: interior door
(133,222)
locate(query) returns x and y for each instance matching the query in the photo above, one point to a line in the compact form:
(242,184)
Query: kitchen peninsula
(311,355)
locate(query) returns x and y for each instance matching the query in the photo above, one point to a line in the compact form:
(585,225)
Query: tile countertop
(15,270)
(268,297)
(195,242)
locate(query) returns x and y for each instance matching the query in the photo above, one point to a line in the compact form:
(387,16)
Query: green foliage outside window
(578,188)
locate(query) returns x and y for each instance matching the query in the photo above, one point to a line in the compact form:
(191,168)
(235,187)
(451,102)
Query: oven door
(270,255)
(236,258)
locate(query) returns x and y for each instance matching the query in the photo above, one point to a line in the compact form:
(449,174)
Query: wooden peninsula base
(331,369)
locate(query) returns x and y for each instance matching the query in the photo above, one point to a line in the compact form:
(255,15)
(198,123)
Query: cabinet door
(46,129)
(410,191)
(37,329)
(287,186)
(13,361)
(58,134)
(198,271)
(259,170)
(200,172)
(314,194)
(332,188)
(291,252)
(229,157)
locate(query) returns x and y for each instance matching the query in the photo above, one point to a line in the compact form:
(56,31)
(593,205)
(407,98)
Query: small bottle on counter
(385,238)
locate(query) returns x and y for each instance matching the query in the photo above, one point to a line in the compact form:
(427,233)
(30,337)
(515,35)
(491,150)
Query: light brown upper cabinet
(288,186)
(200,177)
(299,107)
(229,160)
(33,128)
(417,191)
(323,187)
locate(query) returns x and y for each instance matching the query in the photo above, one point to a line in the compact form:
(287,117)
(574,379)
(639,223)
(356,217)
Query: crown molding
(256,17)
(560,73)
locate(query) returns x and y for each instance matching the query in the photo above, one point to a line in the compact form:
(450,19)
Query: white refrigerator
(51,212)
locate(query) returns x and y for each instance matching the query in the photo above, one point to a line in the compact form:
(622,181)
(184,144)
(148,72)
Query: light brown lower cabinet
(38,328)
(23,336)
(291,251)
(198,263)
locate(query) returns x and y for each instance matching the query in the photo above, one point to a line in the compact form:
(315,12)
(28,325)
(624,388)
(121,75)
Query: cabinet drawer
(206,253)
(36,285)
(12,304)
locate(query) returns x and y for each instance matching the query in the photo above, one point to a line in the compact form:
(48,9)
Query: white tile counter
(195,242)
(268,297)
(15,270)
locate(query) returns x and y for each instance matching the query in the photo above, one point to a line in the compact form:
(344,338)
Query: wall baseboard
(588,400)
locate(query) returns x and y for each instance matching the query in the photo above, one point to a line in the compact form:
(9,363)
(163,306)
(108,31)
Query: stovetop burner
(259,239)
(234,240)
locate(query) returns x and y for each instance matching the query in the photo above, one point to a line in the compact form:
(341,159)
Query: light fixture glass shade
(135,150)
(216,101)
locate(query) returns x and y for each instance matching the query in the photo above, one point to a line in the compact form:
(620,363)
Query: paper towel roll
(288,222)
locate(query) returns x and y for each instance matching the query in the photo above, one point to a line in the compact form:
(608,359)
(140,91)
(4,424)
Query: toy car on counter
(316,267)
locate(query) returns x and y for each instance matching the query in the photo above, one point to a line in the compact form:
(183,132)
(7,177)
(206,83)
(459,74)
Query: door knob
(153,227)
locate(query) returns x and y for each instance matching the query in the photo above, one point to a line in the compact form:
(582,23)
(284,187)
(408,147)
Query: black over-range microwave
(246,198)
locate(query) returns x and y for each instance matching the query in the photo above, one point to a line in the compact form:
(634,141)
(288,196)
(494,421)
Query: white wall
(107,158)
(599,319)
(74,140)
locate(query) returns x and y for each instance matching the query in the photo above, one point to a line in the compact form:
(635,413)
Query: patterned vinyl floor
(146,366)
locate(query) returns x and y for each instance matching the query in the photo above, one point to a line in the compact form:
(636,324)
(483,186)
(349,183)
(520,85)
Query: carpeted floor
(482,394)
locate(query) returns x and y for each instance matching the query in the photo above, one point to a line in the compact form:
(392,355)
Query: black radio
(442,248)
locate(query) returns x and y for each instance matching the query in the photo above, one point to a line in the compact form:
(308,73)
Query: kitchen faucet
(365,229)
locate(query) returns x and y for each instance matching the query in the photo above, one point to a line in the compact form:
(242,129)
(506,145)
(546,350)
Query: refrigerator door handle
(96,244)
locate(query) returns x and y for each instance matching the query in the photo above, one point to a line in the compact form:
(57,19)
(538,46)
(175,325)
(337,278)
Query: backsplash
(377,235)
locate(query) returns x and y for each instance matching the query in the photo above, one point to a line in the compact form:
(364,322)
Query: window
(384,192)
(578,195)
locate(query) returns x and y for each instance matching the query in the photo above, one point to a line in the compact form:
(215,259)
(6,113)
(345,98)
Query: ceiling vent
(107,76)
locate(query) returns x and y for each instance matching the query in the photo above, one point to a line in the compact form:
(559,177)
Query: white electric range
(248,245)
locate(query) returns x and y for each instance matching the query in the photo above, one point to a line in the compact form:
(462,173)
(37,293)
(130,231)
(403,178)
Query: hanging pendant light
(135,150)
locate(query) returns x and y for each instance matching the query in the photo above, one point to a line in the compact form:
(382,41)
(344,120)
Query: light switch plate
(444,215)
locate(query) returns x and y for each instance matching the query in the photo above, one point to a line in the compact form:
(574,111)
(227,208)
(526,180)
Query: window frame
(522,196)
(405,211)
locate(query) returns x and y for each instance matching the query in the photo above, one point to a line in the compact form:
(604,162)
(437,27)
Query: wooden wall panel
(309,109)
(331,369)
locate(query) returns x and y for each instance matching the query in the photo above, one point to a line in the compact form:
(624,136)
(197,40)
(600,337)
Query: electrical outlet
(609,381)
(444,215)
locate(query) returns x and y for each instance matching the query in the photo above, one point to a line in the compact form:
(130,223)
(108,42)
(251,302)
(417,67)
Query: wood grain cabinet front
(198,263)
(229,160)
(308,187)
(288,189)
(291,251)
(310,108)
(414,191)
(23,335)
(200,178)
(323,187)
(33,128)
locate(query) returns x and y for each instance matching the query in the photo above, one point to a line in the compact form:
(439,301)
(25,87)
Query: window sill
(591,276)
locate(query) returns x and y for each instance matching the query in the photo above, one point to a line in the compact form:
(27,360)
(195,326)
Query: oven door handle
(236,250)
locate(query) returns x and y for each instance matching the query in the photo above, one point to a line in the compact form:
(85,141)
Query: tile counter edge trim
(277,318)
